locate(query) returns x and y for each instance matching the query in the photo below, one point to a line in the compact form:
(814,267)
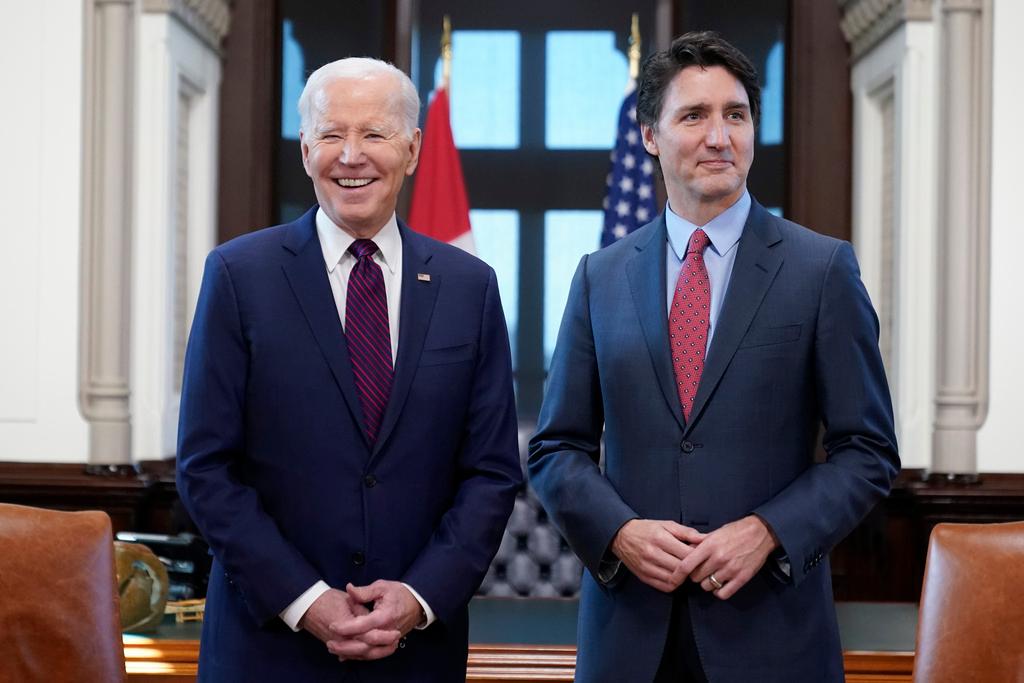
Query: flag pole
(634,47)
(446,51)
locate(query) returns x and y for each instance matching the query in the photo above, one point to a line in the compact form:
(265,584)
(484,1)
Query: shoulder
(253,244)
(447,260)
(619,252)
(807,246)
(256,252)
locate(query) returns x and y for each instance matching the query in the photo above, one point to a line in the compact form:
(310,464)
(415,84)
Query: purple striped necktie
(367,335)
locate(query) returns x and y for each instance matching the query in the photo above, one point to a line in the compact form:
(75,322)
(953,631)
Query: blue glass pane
(484,89)
(772,96)
(585,82)
(568,235)
(496,235)
(293,79)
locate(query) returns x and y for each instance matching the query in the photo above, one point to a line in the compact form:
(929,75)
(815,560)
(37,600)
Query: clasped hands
(363,622)
(664,554)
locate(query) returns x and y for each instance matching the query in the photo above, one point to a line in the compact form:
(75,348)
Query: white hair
(359,67)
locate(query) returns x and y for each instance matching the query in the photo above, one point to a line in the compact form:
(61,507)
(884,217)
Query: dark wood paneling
(819,125)
(144,500)
(884,558)
(249,115)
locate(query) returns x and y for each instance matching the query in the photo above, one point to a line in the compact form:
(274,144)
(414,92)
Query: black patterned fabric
(533,560)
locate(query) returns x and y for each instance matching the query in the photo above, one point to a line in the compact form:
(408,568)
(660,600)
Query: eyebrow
(330,126)
(704,106)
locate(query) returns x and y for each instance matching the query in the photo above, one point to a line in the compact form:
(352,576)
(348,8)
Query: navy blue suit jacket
(275,469)
(796,347)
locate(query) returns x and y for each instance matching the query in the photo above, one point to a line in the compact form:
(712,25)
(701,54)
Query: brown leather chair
(971,624)
(58,597)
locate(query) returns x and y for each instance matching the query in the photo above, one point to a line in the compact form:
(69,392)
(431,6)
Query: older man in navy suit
(708,347)
(347,442)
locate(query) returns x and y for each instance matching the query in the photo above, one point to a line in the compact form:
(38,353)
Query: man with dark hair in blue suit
(347,441)
(707,347)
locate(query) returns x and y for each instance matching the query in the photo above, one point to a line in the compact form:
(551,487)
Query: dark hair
(697,48)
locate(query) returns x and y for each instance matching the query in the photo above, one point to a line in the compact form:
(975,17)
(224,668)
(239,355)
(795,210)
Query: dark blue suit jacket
(274,467)
(796,347)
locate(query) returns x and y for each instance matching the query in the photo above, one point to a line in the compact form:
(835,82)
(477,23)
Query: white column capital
(210,20)
(865,23)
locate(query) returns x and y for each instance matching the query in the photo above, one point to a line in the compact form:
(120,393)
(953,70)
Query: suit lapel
(307,276)
(646,274)
(417,307)
(756,266)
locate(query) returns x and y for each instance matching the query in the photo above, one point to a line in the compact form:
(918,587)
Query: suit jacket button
(370,481)
(686,447)
(358,558)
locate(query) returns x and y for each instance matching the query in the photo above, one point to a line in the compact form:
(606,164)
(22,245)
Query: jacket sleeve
(452,565)
(565,451)
(267,570)
(827,501)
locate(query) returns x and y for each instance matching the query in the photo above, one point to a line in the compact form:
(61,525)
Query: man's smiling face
(358,151)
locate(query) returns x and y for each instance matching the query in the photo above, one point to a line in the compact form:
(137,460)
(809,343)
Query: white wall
(901,70)
(999,444)
(172,62)
(40,189)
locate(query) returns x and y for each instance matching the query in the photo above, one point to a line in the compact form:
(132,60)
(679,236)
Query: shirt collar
(724,230)
(334,242)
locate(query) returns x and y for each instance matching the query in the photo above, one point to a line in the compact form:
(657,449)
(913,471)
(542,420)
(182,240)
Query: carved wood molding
(208,19)
(866,22)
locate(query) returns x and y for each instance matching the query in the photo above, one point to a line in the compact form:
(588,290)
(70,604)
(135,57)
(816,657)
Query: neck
(702,210)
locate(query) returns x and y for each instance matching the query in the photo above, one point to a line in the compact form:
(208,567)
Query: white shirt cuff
(294,612)
(430,616)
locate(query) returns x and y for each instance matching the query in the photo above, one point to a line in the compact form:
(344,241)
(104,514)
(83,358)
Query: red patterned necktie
(367,335)
(689,321)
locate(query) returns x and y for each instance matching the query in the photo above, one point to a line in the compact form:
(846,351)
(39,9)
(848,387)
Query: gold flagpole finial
(634,47)
(446,51)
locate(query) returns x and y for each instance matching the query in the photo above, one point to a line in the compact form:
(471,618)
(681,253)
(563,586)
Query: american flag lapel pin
(423,277)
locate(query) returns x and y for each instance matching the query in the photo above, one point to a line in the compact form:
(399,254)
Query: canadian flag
(439,207)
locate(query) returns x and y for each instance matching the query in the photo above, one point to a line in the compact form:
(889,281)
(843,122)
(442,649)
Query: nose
(351,151)
(717,134)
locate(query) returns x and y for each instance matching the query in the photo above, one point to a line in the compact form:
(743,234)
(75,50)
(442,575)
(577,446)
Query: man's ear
(304,148)
(414,151)
(650,143)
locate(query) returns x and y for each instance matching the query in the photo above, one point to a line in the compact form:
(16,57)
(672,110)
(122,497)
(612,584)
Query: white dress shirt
(334,242)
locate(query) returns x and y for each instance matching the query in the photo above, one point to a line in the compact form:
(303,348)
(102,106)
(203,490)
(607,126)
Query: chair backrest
(58,597)
(971,623)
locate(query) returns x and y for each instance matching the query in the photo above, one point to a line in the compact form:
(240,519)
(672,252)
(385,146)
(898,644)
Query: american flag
(629,201)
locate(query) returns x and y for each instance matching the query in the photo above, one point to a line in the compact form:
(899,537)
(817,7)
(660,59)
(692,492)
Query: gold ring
(715,582)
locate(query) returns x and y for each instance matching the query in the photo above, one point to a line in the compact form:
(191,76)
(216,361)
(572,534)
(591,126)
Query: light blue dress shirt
(724,230)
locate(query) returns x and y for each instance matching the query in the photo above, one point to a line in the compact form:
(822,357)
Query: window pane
(485,89)
(568,235)
(771,96)
(496,235)
(293,79)
(585,82)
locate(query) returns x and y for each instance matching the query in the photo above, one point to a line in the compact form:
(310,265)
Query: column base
(955,451)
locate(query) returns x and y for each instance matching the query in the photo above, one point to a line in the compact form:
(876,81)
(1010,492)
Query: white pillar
(894,198)
(178,96)
(964,145)
(106,229)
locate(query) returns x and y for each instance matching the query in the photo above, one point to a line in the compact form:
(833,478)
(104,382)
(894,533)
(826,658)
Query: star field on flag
(629,199)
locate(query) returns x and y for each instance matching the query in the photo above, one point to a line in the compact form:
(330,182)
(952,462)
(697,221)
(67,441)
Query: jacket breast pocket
(447,355)
(767,336)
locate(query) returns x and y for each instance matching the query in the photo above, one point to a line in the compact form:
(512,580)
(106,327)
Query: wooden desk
(517,640)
